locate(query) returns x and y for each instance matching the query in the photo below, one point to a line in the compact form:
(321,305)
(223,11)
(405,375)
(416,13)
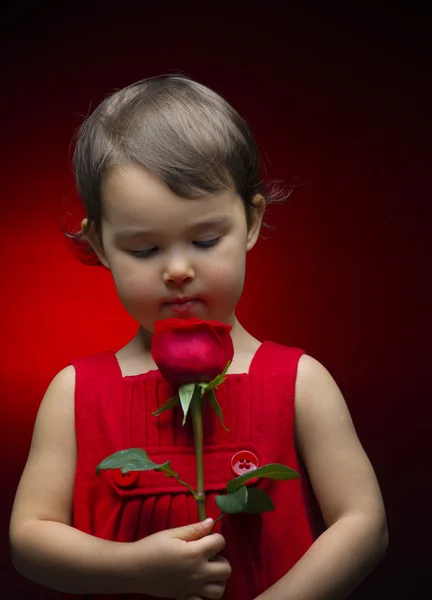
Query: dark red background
(339,99)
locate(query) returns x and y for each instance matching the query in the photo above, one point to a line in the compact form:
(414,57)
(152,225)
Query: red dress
(113,413)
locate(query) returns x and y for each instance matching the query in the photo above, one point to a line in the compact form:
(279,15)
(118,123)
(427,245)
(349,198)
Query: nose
(178,269)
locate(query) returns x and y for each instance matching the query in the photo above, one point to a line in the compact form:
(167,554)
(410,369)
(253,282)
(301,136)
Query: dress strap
(103,368)
(96,376)
(276,360)
(98,391)
(273,379)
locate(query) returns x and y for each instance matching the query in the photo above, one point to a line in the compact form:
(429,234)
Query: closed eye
(144,253)
(207,243)
(152,251)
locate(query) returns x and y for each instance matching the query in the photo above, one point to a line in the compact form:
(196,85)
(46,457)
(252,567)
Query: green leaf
(167,405)
(136,459)
(186,392)
(233,503)
(216,407)
(271,471)
(133,459)
(218,379)
(226,368)
(258,502)
(176,397)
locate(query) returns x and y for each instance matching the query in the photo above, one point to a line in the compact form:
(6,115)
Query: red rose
(191,350)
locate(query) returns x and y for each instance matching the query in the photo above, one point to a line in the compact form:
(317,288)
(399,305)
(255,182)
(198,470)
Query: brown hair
(179,129)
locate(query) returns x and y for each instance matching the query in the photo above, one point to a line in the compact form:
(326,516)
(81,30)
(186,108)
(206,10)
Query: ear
(256,217)
(92,237)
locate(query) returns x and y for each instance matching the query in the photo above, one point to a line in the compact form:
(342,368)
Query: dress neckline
(156,373)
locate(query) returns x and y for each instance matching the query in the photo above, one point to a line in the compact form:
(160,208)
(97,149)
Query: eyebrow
(138,233)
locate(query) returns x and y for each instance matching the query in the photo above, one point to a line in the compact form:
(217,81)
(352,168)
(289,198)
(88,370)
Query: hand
(213,590)
(182,563)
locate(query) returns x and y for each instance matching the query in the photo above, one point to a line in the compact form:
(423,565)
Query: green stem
(221,516)
(215,521)
(196,412)
(177,477)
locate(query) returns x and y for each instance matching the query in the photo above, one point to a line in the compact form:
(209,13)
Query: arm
(45,547)
(347,491)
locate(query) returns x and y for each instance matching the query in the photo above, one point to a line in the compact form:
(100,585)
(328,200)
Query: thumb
(196,531)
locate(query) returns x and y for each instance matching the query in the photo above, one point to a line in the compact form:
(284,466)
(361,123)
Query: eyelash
(204,245)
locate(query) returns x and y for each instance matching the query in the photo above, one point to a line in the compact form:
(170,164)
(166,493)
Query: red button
(127,480)
(244,462)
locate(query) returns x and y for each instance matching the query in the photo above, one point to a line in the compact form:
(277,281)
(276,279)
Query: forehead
(135,196)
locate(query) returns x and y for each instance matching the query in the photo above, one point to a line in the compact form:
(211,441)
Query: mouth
(183,305)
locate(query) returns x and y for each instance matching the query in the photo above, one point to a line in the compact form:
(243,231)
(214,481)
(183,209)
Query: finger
(192,532)
(210,545)
(218,569)
(212,591)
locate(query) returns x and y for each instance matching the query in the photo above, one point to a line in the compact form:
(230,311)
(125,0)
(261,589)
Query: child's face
(154,243)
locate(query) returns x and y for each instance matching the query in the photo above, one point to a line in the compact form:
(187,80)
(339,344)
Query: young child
(169,174)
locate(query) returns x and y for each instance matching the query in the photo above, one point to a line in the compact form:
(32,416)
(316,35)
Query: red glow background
(339,100)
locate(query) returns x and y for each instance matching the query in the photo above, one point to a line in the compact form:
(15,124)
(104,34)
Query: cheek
(227,276)
(130,284)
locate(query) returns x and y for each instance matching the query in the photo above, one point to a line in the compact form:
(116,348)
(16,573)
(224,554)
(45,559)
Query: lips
(180,300)
(182,305)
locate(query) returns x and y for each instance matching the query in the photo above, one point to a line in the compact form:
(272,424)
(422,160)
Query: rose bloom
(191,350)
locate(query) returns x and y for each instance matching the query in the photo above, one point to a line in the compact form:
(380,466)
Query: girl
(169,174)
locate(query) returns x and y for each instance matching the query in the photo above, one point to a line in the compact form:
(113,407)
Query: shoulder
(322,417)
(58,401)
(46,486)
(319,403)
(311,377)
(64,380)
(339,469)
(315,383)
(62,383)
